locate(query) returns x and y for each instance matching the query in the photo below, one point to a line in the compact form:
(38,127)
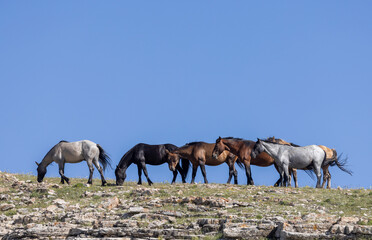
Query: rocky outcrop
(29,210)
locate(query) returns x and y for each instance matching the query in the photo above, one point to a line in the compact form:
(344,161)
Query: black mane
(63,141)
(233,138)
(192,143)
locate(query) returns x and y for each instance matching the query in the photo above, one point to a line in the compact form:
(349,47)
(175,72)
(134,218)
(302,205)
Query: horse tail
(334,157)
(310,173)
(341,163)
(185,166)
(240,164)
(104,159)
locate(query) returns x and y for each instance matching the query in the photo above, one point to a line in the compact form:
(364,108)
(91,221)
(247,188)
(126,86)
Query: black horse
(142,154)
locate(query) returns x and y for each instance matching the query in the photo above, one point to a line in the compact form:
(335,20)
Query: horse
(332,160)
(287,156)
(242,149)
(142,154)
(200,154)
(75,152)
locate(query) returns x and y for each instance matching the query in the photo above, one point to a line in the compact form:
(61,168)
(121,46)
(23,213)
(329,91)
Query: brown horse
(200,154)
(331,155)
(242,149)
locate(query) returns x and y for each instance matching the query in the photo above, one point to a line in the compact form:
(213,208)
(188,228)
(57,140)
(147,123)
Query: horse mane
(192,143)
(290,144)
(267,141)
(63,141)
(233,138)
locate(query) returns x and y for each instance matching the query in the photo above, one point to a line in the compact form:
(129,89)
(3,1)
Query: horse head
(219,147)
(257,149)
(120,176)
(173,159)
(41,171)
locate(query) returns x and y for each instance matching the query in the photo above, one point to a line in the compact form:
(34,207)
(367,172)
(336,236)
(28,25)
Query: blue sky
(123,72)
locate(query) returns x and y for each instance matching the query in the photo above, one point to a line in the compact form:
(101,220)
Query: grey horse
(308,157)
(74,152)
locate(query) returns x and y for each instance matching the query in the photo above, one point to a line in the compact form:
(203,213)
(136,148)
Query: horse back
(327,150)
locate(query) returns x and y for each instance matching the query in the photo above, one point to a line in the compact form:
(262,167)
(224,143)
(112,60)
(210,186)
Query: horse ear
(219,137)
(258,139)
(273,138)
(37,163)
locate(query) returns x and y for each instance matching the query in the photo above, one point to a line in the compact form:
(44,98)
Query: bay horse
(331,160)
(242,149)
(142,154)
(287,156)
(74,152)
(200,154)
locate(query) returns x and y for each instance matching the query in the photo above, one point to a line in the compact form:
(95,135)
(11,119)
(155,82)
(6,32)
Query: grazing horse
(242,149)
(200,154)
(142,154)
(286,156)
(332,160)
(74,152)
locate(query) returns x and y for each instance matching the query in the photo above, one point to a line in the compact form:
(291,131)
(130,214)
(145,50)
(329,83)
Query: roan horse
(200,154)
(331,160)
(74,152)
(142,154)
(242,149)
(292,157)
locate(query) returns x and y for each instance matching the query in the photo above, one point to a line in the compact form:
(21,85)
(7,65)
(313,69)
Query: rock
(110,203)
(60,203)
(6,206)
(51,208)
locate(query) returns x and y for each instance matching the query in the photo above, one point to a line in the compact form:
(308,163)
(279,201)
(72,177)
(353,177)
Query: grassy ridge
(256,201)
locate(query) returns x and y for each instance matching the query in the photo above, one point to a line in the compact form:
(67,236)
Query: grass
(262,201)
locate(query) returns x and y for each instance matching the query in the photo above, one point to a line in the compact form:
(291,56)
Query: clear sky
(123,72)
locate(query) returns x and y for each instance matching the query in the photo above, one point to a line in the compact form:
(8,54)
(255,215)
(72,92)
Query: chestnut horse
(200,154)
(242,149)
(331,157)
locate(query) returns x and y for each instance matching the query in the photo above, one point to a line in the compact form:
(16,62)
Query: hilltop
(51,210)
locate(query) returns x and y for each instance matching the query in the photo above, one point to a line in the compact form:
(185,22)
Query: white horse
(74,152)
(308,157)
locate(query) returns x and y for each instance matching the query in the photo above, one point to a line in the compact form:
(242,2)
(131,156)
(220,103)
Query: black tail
(310,173)
(185,166)
(104,159)
(240,164)
(341,164)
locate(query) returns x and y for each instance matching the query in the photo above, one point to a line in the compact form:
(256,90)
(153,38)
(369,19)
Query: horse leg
(145,172)
(91,170)
(248,173)
(325,175)
(235,173)
(139,173)
(194,169)
(277,184)
(294,172)
(287,182)
(179,169)
(289,177)
(231,172)
(175,176)
(329,180)
(99,168)
(318,175)
(62,170)
(202,167)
